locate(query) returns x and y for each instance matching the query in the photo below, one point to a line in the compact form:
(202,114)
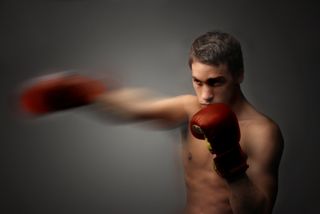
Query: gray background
(71,163)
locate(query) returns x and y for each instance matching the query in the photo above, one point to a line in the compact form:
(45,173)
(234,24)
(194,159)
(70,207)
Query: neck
(239,103)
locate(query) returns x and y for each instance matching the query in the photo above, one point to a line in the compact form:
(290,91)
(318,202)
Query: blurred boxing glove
(218,124)
(60,92)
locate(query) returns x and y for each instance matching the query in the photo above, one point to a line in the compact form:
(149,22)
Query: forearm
(246,198)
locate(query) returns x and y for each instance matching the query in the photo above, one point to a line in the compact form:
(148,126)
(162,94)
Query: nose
(207,94)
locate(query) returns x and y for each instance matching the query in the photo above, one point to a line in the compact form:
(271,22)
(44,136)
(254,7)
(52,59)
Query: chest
(196,154)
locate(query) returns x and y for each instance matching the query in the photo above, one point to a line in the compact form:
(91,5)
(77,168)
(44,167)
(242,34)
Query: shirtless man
(217,72)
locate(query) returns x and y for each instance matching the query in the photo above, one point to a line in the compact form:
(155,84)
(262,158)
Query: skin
(261,140)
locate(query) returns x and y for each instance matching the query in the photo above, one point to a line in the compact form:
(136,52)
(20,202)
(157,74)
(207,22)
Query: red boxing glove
(60,93)
(218,124)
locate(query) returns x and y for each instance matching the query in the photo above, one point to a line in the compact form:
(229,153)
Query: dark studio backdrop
(70,162)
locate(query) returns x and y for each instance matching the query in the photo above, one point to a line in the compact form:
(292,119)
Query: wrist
(232,164)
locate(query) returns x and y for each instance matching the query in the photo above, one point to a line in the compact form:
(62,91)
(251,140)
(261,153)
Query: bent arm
(256,191)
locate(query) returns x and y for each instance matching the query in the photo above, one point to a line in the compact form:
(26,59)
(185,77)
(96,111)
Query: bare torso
(206,191)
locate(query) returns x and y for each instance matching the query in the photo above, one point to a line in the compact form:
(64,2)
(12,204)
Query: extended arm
(137,104)
(61,92)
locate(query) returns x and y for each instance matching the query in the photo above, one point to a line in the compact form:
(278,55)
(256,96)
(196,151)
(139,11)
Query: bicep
(264,159)
(169,109)
(136,104)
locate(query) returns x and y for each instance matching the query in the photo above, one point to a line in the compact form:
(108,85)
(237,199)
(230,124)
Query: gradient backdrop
(70,162)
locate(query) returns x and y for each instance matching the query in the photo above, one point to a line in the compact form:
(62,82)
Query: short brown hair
(215,48)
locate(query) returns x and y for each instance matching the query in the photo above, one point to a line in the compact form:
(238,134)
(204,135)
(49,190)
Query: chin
(203,105)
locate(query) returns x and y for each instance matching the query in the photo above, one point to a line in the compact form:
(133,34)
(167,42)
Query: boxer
(231,151)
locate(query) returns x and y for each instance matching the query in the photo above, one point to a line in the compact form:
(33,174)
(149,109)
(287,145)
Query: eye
(216,82)
(197,82)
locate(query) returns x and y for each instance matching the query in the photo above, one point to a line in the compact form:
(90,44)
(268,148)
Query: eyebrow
(210,80)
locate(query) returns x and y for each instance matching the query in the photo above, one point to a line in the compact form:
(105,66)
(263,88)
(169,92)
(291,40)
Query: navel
(189,156)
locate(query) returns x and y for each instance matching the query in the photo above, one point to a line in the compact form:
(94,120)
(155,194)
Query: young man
(239,171)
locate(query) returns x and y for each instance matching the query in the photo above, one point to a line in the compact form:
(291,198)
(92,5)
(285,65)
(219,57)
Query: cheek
(225,93)
(196,89)
(221,94)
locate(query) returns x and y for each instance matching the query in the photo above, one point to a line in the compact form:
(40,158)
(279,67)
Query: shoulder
(261,128)
(188,98)
(182,102)
(192,105)
(189,102)
(264,142)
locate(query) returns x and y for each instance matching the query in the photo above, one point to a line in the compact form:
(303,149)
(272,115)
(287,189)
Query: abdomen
(206,191)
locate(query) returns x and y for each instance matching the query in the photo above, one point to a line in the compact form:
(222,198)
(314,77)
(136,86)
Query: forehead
(202,71)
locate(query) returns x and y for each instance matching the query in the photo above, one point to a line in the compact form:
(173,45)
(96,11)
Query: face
(214,84)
